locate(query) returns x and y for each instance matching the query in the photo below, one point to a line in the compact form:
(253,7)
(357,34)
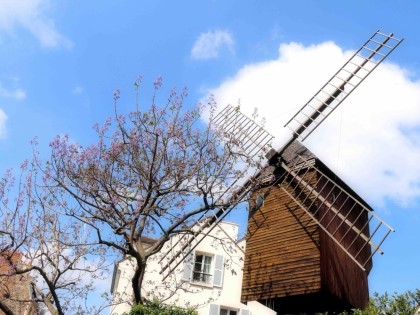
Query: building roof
(148,240)
(290,152)
(296,148)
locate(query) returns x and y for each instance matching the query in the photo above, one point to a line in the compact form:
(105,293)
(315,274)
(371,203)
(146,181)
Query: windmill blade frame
(322,195)
(342,83)
(251,140)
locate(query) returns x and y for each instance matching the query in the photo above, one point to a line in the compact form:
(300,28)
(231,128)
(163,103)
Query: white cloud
(372,141)
(17,94)
(208,45)
(3,118)
(31,15)
(77,90)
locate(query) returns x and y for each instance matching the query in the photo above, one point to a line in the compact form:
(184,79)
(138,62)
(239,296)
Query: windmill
(310,238)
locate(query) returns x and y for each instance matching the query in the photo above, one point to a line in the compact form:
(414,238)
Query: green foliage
(157,308)
(395,304)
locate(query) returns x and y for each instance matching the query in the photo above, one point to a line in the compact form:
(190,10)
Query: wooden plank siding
(291,263)
(340,275)
(282,256)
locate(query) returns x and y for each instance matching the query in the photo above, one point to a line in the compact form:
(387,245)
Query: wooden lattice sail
(310,238)
(310,246)
(342,83)
(341,211)
(253,141)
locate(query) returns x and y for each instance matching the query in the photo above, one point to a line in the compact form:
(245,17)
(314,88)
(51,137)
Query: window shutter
(218,271)
(214,309)
(245,312)
(116,280)
(188,262)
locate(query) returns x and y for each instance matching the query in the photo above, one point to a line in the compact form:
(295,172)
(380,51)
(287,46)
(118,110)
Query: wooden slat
(282,256)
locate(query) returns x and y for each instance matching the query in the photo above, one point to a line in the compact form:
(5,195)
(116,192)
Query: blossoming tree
(152,173)
(47,259)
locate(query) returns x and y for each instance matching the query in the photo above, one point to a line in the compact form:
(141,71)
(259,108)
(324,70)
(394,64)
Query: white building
(209,279)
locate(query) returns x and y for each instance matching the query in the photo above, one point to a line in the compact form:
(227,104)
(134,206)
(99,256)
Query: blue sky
(60,63)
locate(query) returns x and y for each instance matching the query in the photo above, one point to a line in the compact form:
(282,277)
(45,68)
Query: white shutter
(245,312)
(218,271)
(188,263)
(214,309)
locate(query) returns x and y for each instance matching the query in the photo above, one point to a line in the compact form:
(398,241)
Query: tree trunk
(138,280)
(5,309)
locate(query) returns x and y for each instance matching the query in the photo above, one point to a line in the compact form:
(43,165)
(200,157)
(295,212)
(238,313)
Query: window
(224,311)
(202,269)
(216,309)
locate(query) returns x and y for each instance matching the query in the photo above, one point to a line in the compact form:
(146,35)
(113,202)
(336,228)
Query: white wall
(221,241)
(122,291)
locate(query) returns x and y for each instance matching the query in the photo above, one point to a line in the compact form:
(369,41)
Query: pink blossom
(34,141)
(158,82)
(115,200)
(116,94)
(173,92)
(138,81)
(105,126)
(185,91)
(24,164)
(90,154)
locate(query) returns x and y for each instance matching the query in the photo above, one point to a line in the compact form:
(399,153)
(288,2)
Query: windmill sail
(200,229)
(339,222)
(339,214)
(252,140)
(336,90)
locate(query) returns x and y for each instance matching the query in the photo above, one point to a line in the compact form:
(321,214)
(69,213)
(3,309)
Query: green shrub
(157,308)
(395,304)
(401,304)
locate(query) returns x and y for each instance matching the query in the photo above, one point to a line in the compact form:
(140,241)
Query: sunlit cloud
(209,44)
(16,94)
(3,118)
(372,141)
(32,16)
(6,93)
(77,90)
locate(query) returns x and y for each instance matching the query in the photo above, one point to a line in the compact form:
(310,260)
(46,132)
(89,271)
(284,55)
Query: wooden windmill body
(309,243)
(310,238)
(291,264)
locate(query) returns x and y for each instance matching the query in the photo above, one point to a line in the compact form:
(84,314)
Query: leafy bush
(401,304)
(395,304)
(157,308)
